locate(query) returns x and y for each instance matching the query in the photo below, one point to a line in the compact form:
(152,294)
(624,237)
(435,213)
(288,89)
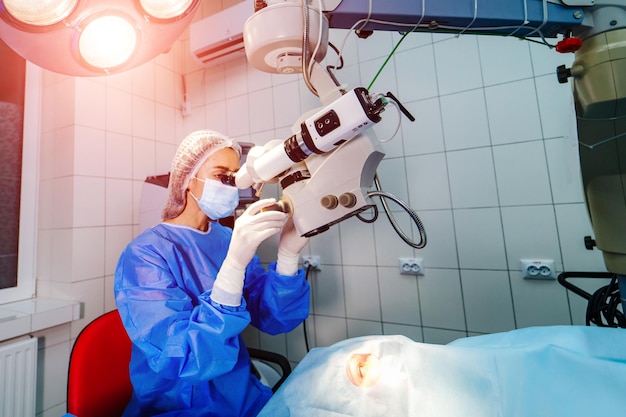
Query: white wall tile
(89,147)
(328,291)
(87,253)
(441,246)
(441,336)
(472,178)
(327,246)
(285,102)
(380,78)
(357,242)
(258,80)
(358,328)
(260,110)
(479,238)
(213,84)
(119,111)
(495,315)
(564,170)
(458,64)
(417,76)
(392,177)
(329,330)
(399,297)
(530,233)
(389,245)
(144,162)
(504,59)
(464,117)
(144,112)
(215,116)
(412,332)
(237,113)
(545,59)
(89,202)
(89,112)
(119,197)
(425,134)
(236,78)
(166,122)
(118,155)
(513,113)
(378,45)
(116,239)
(53,362)
(165,82)
(441,300)
(144,80)
(522,174)
(427,179)
(556,107)
(361,293)
(539,302)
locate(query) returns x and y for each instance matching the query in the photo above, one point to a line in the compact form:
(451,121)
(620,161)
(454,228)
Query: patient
(543,371)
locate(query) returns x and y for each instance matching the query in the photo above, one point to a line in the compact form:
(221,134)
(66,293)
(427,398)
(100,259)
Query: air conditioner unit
(219,37)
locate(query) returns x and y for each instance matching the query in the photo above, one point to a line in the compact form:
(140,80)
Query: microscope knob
(348,200)
(329,201)
(590,243)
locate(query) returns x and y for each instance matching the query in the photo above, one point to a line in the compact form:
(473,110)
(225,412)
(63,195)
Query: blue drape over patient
(544,371)
(188,354)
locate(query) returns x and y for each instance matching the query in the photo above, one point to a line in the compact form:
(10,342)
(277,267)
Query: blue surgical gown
(188,356)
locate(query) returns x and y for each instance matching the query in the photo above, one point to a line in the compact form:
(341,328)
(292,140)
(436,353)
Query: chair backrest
(98,383)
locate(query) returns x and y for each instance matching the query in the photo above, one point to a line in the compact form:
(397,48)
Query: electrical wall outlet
(312,262)
(538,268)
(411,266)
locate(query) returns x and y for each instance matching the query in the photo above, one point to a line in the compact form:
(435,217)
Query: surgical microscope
(328,165)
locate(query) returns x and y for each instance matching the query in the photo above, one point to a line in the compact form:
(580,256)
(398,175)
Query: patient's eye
(363,369)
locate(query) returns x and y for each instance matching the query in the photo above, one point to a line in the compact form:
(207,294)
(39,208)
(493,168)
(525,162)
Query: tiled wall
(490,165)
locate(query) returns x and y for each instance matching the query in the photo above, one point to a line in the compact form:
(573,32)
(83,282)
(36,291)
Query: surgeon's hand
(251,228)
(289,248)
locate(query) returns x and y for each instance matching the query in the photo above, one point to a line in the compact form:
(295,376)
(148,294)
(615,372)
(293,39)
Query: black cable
(306,335)
(603,306)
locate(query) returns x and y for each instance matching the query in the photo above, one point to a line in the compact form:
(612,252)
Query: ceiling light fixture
(93,37)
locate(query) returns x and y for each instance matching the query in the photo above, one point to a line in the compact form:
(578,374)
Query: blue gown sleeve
(277,303)
(196,340)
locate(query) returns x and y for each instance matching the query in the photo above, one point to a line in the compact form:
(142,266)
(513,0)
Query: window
(20,96)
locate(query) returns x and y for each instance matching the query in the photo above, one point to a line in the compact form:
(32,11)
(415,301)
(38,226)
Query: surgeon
(188,287)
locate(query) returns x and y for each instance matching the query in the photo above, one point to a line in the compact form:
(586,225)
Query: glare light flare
(40,12)
(165,9)
(107,41)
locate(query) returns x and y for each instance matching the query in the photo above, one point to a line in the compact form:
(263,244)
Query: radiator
(18,378)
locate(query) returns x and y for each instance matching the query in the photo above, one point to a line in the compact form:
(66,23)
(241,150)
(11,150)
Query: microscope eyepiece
(228,178)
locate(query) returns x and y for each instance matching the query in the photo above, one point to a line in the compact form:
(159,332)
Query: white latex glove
(289,248)
(251,228)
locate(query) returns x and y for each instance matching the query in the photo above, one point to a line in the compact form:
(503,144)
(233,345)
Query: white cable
(397,124)
(319,38)
(473,19)
(525,22)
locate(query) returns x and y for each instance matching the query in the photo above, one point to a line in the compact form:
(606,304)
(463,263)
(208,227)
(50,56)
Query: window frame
(29,196)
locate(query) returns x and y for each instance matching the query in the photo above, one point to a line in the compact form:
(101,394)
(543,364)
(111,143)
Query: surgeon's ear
(363,369)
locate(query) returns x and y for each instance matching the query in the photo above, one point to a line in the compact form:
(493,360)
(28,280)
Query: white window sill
(28,316)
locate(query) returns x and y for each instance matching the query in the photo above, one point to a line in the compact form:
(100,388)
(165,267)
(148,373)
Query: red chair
(98,383)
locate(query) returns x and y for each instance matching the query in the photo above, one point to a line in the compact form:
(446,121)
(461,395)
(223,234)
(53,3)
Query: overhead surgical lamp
(93,37)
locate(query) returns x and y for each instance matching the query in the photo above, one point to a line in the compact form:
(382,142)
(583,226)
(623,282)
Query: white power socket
(312,262)
(411,266)
(538,268)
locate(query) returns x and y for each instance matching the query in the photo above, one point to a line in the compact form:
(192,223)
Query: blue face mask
(218,200)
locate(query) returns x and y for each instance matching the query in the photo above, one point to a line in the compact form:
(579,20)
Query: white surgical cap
(193,151)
